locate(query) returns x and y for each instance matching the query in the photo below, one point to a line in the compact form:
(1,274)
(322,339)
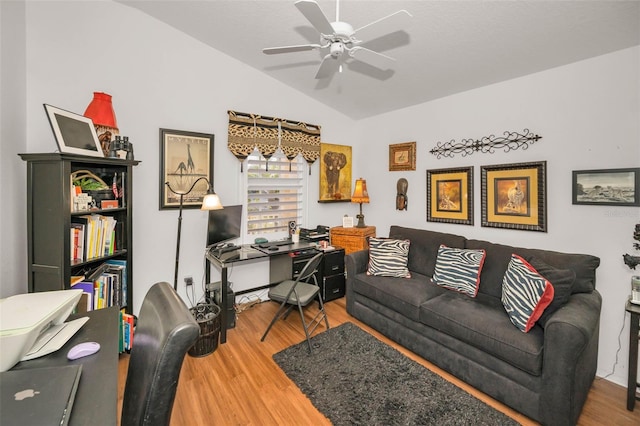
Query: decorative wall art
(450,195)
(335,173)
(74,133)
(402,200)
(607,187)
(184,158)
(514,196)
(511,141)
(249,131)
(402,156)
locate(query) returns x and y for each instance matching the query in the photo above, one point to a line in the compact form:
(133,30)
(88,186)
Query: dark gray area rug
(355,379)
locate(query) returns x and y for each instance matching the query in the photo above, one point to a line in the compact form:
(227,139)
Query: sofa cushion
(483,323)
(424,246)
(525,293)
(459,269)
(403,295)
(388,257)
(562,281)
(499,255)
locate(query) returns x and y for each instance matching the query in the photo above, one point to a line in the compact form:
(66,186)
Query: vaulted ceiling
(447,47)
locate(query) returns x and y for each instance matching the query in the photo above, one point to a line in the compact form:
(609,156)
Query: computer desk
(279,268)
(97,395)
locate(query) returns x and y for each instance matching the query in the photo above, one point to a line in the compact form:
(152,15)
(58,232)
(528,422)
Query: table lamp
(211,201)
(360,195)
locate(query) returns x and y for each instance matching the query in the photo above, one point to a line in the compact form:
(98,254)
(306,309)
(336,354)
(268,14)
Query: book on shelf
(86,300)
(120,266)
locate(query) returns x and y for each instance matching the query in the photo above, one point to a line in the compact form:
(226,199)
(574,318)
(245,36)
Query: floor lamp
(211,201)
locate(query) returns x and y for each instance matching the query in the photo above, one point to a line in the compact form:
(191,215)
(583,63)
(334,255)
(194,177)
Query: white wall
(159,78)
(588,115)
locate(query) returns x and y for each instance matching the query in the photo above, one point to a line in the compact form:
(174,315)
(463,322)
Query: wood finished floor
(240,384)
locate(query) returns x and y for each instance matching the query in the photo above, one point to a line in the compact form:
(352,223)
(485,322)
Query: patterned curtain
(248,131)
(242,135)
(266,136)
(301,138)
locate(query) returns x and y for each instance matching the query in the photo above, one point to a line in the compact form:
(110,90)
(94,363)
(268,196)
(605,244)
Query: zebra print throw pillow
(525,293)
(388,258)
(459,269)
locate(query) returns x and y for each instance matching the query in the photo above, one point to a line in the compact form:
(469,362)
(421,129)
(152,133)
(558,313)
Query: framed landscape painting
(514,196)
(607,187)
(450,195)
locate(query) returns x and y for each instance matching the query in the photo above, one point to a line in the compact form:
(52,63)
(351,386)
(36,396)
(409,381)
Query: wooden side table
(352,239)
(634,340)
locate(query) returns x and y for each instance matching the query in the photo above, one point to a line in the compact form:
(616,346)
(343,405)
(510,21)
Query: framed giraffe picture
(514,196)
(185,158)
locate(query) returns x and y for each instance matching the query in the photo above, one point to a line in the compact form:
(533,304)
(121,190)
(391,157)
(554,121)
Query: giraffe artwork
(186,158)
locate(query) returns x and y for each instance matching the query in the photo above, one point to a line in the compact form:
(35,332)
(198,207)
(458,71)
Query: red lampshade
(100,110)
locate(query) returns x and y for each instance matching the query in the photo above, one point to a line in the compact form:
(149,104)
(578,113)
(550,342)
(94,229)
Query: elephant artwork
(335,173)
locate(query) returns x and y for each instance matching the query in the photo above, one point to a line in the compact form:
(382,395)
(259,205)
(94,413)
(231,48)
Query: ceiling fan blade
(372,58)
(391,23)
(328,67)
(315,16)
(289,49)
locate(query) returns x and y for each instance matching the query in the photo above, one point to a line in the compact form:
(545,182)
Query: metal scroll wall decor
(511,141)
(250,131)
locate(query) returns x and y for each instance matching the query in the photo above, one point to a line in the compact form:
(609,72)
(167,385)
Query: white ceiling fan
(342,40)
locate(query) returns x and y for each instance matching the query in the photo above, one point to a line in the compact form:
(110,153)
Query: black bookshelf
(50,212)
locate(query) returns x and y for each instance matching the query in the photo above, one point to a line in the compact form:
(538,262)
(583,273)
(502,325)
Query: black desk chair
(300,292)
(164,333)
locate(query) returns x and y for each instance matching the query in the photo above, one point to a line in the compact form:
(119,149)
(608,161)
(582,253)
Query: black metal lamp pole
(181,194)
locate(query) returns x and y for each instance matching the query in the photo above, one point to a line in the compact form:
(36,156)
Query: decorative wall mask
(402,201)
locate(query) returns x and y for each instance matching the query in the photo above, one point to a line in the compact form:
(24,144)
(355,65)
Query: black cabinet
(51,214)
(330,274)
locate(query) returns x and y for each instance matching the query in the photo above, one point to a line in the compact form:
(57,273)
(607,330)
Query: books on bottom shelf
(105,290)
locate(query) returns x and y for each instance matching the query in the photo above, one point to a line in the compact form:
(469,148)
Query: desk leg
(223,302)
(633,361)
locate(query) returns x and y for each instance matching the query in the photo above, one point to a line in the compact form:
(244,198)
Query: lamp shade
(360,194)
(211,201)
(100,111)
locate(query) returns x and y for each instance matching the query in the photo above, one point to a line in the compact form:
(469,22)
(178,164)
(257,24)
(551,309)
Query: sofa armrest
(570,357)
(355,263)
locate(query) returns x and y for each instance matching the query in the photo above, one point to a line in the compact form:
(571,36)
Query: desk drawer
(333,287)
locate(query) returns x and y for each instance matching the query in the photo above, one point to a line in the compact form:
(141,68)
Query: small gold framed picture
(402,156)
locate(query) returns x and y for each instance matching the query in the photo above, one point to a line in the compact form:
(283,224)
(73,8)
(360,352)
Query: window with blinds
(274,195)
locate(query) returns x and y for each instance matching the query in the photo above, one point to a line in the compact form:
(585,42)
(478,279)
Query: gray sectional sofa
(545,373)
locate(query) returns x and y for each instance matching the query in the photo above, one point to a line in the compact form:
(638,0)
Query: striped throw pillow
(459,269)
(388,258)
(525,293)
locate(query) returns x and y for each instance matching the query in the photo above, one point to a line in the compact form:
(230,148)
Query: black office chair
(300,292)
(164,332)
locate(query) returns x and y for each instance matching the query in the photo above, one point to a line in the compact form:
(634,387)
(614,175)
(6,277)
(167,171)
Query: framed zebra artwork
(514,196)
(185,158)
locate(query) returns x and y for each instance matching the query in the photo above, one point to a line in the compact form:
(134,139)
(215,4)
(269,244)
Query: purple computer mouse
(83,349)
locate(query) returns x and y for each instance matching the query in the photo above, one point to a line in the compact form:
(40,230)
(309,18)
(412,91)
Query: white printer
(32,324)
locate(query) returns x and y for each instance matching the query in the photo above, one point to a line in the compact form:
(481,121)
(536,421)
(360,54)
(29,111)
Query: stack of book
(104,288)
(92,236)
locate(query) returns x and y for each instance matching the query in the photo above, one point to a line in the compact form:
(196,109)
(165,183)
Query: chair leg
(304,325)
(275,318)
(324,313)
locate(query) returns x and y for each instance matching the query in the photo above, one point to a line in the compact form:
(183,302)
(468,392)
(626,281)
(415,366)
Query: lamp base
(360,221)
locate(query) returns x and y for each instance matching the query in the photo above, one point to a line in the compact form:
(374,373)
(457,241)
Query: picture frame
(74,133)
(402,156)
(335,173)
(185,157)
(450,195)
(347,221)
(514,196)
(606,187)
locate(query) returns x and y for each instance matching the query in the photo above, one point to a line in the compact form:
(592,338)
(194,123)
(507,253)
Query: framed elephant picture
(335,173)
